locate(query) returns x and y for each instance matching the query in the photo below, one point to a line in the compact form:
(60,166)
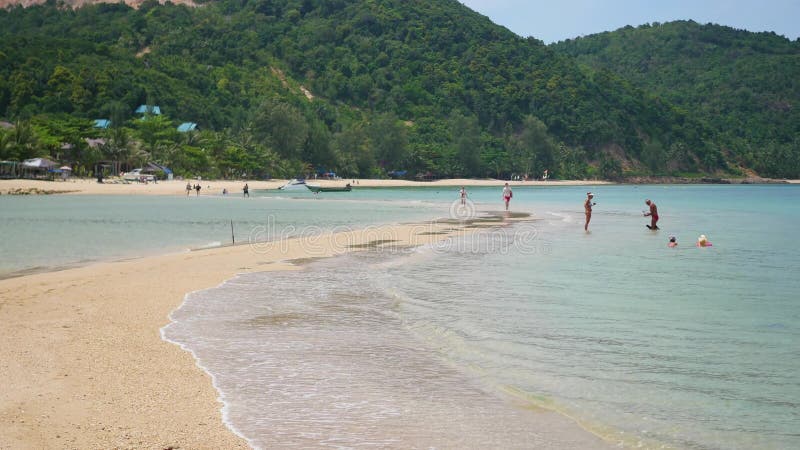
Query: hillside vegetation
(743,85)
(359,87)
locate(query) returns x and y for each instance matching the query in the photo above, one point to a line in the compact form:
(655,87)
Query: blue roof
(164,169)
(142,109)
(187,126)
(102,123)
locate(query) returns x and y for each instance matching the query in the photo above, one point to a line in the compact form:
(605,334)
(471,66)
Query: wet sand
(83,363)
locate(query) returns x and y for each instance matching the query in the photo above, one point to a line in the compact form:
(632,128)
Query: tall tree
(282,127)
(389,138)
(534,148)
(465,138)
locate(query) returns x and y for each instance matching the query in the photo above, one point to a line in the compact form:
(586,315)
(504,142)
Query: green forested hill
(743,85)
(362,87)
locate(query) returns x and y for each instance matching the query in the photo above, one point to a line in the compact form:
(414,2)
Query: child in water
(673,242)
(702,241)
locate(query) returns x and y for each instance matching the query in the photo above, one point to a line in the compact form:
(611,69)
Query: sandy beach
(84,364)
(215,187)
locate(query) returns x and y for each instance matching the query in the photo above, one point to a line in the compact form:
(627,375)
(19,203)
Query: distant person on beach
(507,194)
(673,242)
(463,194)
(246,191)
(197,188)
(224,191)
(653,213)
(587,206)
(188,188)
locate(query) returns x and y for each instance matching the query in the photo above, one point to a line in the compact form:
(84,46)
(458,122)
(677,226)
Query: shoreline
(215,187)
(85,364)
(77,186)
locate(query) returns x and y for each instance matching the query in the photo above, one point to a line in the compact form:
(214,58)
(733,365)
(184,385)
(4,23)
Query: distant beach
(234,187)
(215,187)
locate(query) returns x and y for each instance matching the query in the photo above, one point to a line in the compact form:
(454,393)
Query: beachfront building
(9,169)
(186,127)
(95,143)
(159,168)
(102,123)
(148,109)
(37,168)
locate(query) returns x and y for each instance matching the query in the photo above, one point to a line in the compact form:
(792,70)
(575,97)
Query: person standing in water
(463,194)
(507,194)
(587,206)
(188,189)
(246,191)
(653,213)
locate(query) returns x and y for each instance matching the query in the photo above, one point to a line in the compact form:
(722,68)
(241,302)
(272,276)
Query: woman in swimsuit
(507,194)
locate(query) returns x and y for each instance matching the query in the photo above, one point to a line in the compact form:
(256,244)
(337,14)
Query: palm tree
(19,143)
(118,146)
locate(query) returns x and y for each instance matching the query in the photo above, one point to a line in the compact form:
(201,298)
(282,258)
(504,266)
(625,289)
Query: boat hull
(316,189)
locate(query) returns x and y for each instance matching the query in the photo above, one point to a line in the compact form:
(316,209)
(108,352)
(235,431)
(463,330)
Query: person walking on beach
(587,206)
(463,194)
(246,191)
(653,213)
(188,188)
(507,194)
(197,188)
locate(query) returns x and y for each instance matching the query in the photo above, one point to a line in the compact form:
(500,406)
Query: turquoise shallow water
(689,347)
(646,345)
(43,232)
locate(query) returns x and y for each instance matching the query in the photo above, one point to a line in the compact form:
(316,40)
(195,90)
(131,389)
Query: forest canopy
(362,88)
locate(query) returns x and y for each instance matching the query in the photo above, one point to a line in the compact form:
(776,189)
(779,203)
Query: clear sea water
(43,232)
(447,345)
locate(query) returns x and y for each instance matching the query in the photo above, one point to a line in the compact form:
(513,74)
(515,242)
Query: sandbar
(84,365)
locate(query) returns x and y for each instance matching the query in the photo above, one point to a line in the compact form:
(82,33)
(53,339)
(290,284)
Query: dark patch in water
(304,261)
(373,244)
(275,319)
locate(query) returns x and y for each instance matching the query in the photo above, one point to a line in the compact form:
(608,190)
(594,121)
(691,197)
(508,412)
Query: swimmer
(673,242)
(702,241)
